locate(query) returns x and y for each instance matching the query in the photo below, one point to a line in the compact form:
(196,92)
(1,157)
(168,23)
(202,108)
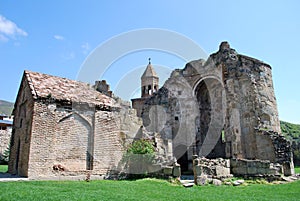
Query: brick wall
(21,132)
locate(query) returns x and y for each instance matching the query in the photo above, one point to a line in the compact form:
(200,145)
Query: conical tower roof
(149,72)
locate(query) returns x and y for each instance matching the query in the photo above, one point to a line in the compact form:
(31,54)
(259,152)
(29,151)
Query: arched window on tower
(155,88)
(149,90)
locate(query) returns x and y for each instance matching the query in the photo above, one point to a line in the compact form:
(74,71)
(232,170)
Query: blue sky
(55,37)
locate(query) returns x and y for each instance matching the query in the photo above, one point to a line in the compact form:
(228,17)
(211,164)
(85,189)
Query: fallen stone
(168,170)
(187,185)
(238,182)
(241,181)
(201,180)
(293,178)
(209,180)
(217,182)
(288,179)
(176,171)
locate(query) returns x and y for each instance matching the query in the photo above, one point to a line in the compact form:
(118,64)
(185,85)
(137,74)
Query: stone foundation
(210,168)
(244,167)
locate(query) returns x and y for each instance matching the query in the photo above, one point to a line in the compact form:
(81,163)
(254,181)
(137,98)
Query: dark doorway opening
(181,154)
(183,162)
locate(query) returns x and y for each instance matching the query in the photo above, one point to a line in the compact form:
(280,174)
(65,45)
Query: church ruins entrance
(209,139)
(181,154)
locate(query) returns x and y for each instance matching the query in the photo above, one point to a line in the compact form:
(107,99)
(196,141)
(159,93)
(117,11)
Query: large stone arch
(210,94)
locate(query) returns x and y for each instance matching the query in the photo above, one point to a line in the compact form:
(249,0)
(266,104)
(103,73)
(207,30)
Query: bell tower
(149,85)
(149,81)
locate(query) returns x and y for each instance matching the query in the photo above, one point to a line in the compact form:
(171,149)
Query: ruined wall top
(224,45)
(229,55)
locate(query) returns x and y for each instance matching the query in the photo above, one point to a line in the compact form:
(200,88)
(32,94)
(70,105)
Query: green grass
(146,189)
(297,170)
(3,168)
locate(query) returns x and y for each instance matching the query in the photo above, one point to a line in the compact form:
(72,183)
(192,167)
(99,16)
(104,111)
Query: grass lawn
(3,168)
(297,170)
(146,189)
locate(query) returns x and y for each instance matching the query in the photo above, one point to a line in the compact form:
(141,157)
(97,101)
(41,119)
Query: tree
(5,155)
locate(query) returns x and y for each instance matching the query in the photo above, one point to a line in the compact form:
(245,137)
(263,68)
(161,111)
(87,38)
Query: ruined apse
(222,107)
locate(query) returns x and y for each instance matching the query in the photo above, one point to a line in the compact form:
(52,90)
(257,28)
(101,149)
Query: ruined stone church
(222,107)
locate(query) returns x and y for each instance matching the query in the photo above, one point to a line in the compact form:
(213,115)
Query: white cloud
(58,37)
(9,29)
(85,47)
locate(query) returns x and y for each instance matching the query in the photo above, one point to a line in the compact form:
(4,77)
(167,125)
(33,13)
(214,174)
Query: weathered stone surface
(222,171)
(212,167)
(201,180)
(238,182)
(187,185)
(176,170)
(245,167)
(231,91)
(168,170)
(288,168)
(216,182)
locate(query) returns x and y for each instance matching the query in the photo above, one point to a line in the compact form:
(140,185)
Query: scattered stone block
(238,182)
(176,171)
(168,170)
(187,185)
(228,183)
(217,182)
(288,168)
(201,180)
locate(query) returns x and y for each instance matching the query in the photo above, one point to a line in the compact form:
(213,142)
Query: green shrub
(5,156)
(142,146)
(139,157)
(292,133)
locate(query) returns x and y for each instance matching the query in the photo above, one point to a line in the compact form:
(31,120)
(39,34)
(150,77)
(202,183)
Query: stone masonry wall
(21,132)
(213,168)
(229,93)
(251,102)
(256,168)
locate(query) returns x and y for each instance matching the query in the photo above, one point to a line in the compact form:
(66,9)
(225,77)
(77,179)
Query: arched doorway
(209,140)
(180,152)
